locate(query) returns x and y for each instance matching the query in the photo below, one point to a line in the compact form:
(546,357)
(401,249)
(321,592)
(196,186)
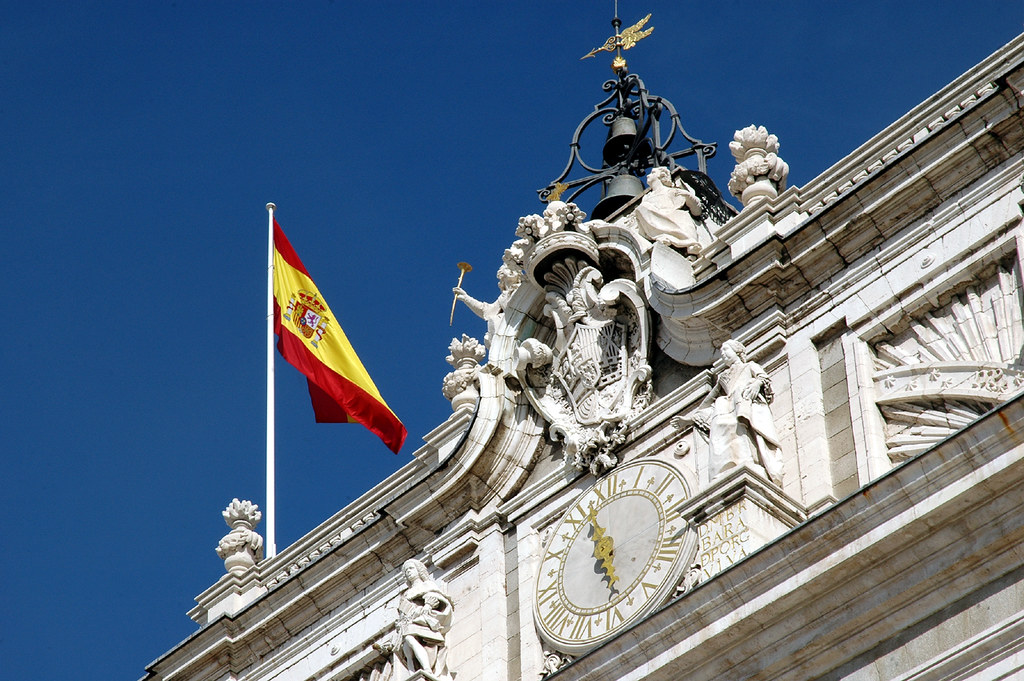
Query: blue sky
(142,141)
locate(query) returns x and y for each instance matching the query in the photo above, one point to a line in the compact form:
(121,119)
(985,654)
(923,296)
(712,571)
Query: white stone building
(621,493)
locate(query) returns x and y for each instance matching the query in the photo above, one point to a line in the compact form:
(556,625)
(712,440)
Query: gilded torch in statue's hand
(463,268)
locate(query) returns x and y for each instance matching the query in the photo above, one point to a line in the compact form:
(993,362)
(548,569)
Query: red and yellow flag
(310,338)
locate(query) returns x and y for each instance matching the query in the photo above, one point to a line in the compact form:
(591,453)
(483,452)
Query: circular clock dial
(617,553)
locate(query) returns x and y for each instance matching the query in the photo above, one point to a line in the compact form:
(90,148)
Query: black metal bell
(619,191)
(621,134)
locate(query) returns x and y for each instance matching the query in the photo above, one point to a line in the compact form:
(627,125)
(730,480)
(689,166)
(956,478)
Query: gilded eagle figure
(626,39)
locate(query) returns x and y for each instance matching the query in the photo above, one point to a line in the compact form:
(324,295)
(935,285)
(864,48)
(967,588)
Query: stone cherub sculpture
(666,213)
(424,618)
(736,417)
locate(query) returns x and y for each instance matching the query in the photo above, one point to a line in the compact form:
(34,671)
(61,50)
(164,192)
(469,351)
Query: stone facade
(836,493)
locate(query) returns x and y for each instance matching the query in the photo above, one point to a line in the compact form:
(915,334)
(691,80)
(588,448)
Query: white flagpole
(271,545)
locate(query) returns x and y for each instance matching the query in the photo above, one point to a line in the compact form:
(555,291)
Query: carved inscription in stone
(723,540)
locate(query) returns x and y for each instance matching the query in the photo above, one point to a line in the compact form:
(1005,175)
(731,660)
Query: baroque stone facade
(784,444)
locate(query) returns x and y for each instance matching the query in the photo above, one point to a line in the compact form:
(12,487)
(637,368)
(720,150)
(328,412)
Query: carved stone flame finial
(759,172)
(242,546)
(460,385)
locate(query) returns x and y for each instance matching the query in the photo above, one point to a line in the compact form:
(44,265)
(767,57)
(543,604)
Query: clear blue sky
(141,143)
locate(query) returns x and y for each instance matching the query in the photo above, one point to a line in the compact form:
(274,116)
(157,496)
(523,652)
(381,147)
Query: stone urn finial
(242,546)
(759,172)
(460,385)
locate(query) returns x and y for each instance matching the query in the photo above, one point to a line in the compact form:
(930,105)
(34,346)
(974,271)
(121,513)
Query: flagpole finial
(271,207)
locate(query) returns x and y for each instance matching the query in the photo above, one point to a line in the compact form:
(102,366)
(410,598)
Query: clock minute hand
(604,548)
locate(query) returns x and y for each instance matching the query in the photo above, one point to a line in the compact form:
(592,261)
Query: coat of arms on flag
(306,313)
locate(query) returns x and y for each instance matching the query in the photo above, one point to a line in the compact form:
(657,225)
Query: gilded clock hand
(604,548)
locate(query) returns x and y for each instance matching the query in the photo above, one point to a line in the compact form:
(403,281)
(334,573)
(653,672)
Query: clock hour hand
(604,548)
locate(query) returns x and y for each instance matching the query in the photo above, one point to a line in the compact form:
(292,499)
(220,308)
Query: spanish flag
(310,338)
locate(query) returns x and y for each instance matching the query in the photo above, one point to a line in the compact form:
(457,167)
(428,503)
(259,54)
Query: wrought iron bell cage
(634,144)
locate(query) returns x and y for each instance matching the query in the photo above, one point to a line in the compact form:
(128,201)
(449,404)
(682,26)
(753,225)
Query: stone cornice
(791,257)
(914,127)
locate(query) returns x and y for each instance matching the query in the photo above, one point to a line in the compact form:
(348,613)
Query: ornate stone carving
(736,417)
(460,386)
(553,661)
(951,364)
(557,217)
(596,375)
(666,213)
(691,579)
(418,641)
(759,172)
(241,547)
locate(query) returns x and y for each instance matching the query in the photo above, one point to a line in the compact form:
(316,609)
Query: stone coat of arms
(596,374)
(586,373)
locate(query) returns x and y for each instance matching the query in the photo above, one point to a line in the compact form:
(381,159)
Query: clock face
(616,554)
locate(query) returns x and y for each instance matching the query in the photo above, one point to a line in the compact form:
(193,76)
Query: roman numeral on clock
(583,623)
(606,488)
(548,592)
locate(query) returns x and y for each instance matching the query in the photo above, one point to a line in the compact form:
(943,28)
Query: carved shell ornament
(951,364)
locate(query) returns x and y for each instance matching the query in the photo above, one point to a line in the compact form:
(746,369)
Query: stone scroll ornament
(418,643)
(595,375)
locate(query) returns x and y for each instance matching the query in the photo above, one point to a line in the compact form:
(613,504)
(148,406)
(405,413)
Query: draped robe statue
(736,416)
(424,617)
(666,212)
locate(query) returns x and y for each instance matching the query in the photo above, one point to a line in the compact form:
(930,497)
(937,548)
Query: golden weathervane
(622,41)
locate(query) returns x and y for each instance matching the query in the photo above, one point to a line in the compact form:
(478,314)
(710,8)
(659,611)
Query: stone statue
(666,213)
(690,580)
(736,416)
(509,278)
(424,617)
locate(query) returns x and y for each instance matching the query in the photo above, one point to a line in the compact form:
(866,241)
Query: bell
(619,191)
(621,134)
